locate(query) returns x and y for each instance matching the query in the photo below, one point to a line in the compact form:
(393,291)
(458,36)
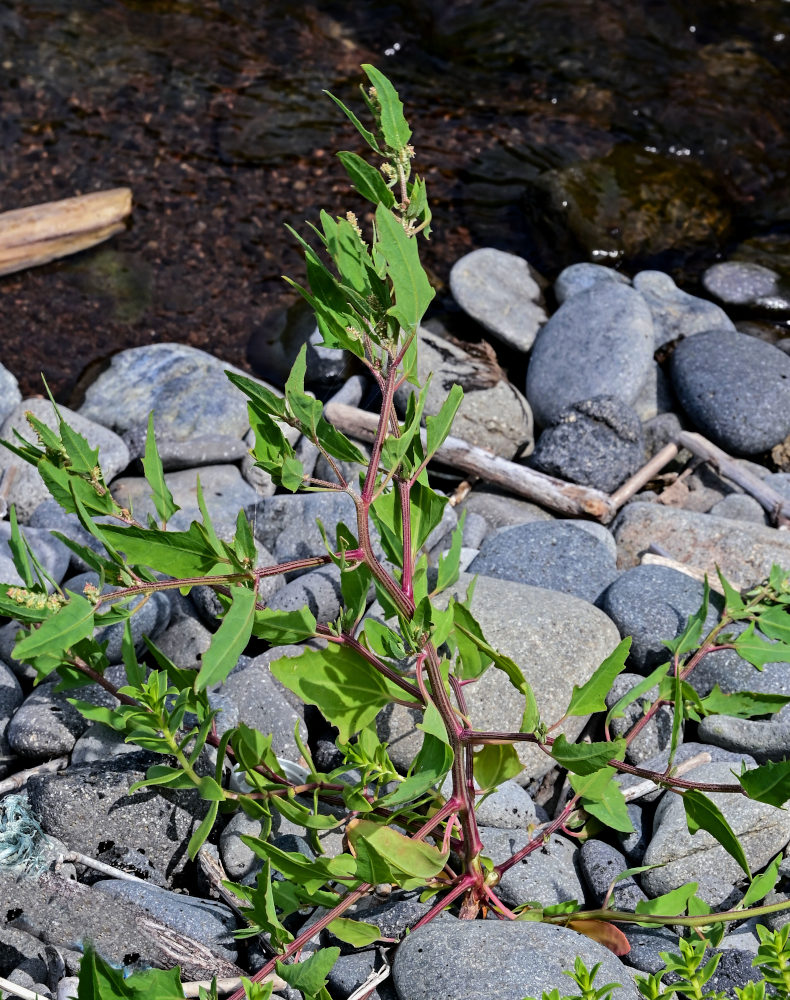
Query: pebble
(579,277)
(600,865)
(744,552)
(50,552)
(187,390)
(184,642)
(286,524)
(735,389)
(514,959)
(50,516)
(595,442)
(224,491)
(740,507)
(599,342)
(500,510)
(548,875)
(675,313)
(11,698)
(653,604)
(202,449)
(319,590)
(655,736)
(742,283)
(761,829)
(45,725)
(633,844)
(763,740)
(21,484)
(10,396)
(655,397)
(556,555)
(499,291)
(493,414)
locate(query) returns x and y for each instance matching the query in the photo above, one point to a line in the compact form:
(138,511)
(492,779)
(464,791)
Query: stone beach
(554,594)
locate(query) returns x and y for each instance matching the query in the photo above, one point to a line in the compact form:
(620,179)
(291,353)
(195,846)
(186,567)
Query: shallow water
(652,133)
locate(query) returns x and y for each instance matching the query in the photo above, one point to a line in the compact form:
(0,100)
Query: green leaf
(413,292)
(383,640)
(768,783)
(427,771)
(74,621)
(309,976)
(384,855)
(283,627)
(427,508)
(230,639)
(742,704)
(243,541)
(762,884)
(354,932)
(200,835)
(19,553)
(366,179)
(450,560)
(591,697)
(691,634)
(368,136)
(155,474)
(439,426)
(99,981)
(135,674)
(585,758)
(757,651)
(617,710)
(703,813)
(176,553)
(394,127)
(347,690)
(670,904)
(602,797)
(495,763)
(775,623)
(299,814)
(733,602)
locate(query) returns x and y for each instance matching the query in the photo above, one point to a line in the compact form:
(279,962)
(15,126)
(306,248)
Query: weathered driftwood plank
(41,233)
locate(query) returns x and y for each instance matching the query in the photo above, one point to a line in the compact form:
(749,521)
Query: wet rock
(224,491)
(653,604)
(744,552)
(600,865)
(599,342)
(89,808)
(736,389)
(186,388)
(676,313)
(21,482)
(499,291)
(635,204)
(595,442)
(513,959)
(10,396)
(493,414)
(761,829)
(743,283)
(556,555)
(579,277)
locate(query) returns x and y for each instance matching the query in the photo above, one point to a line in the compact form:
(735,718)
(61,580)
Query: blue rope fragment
(21,838)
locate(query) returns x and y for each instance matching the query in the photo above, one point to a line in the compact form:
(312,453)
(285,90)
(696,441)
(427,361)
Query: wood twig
(18,991)
(226,985)
(41,233)
(20,779)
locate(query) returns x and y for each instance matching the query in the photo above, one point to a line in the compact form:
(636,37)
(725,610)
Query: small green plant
(369,292)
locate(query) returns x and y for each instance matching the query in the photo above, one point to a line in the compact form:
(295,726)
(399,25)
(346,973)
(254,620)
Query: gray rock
(498,290)
(733,972)
(599,342)
(735,388)
(653,737)
(202,449)
(501,511)
(595,442)
(21,482)
(184,642)
(202,920)
(509,807)
(210,608)
(763,740)
(740,507)
(8,640)
(45,725)
(350,971)
(633,844)
(549,875)
(703,752)
(653,604)
(579,277)
(286,524)
(97,743)
(676,313)
(658,431)
(508,959)
(555,555)
(11,698)
(10,396)
(493,414)
(600,865)
(647,943)
(89,808)
(742,283)
(655,397)
(744,552)
(8,571)
(51,516)
(327,366)
(761,829)
(51,553)
(187,390)
(319,590)
(224,491)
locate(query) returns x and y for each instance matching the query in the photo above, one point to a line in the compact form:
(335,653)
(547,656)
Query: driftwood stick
(226,985)
(19,780)
(633,485)
(565,498)
(776,505)
(41,233)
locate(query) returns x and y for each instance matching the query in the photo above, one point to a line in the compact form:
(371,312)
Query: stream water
(633,132)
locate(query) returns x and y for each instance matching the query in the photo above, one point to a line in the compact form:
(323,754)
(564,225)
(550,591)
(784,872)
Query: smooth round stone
(50,516)
(740,507)
(595,442)
(550,874)
(598,343)
(286,524)
(579,277)
(10,396)
(554,555)
(498,290)
(203,449)
(651,604)
(498,960)
(736,389)
(676,313)
(742,283)
(655,397)
(186,388)
(762,739)
(45,725)
(50,551)
(655,736)
(600,865)
(11,698)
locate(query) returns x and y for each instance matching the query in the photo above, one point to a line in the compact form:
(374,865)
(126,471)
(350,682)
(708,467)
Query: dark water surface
(633,133)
